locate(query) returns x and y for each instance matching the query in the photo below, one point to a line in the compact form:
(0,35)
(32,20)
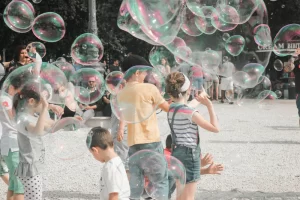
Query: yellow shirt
(138,102)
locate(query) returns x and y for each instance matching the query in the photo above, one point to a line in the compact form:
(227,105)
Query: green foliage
(116,42)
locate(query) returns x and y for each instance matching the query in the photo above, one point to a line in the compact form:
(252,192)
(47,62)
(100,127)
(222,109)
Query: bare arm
(213,125)
(113,196)
(164,106)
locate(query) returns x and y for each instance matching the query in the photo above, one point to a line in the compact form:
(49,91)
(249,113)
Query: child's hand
(44,103)
(215,168)
(203,98)
(208,159)
(120,135)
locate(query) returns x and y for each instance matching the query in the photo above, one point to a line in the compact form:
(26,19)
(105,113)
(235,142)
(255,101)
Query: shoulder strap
(172,120)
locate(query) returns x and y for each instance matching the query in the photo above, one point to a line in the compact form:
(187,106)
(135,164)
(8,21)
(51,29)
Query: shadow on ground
(241,195)
(202,195)
(253,142)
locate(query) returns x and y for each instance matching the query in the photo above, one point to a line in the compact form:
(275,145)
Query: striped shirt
(185,130)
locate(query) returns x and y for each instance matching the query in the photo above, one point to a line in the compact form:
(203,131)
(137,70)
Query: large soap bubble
(49,27)
(66,67)
(19,15)
(113,80)
(67,139)
(32,102)
(176,178)
(234,29)
(36,47)
(87,49)
(89,85)
(128,107)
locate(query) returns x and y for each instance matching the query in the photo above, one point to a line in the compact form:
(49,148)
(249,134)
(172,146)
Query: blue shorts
(190,158)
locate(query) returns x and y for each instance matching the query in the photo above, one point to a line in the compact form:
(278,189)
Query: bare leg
(217,91)
(188,192)
(5,178)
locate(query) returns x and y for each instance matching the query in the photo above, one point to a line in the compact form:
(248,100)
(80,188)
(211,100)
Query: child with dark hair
(9,140)
(144,135)
(113,183)
(31,112)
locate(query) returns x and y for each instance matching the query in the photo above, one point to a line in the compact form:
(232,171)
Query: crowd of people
(23,156)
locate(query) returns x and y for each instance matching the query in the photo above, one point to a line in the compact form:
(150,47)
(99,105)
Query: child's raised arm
(213,125)
(41,124)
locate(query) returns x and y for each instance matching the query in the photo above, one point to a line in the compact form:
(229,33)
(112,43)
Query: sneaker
(230,102)
(222,101)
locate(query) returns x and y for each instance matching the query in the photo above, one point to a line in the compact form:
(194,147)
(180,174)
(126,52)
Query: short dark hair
(134,60)
(17,52)
(169,142)
(99,137)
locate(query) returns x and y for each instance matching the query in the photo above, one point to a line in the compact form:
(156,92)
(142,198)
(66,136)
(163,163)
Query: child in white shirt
(113,183)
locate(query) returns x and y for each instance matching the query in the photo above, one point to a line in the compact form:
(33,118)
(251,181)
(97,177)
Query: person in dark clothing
(296,71)
(115,66)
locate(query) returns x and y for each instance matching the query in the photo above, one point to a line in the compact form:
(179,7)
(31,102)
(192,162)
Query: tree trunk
(92,17)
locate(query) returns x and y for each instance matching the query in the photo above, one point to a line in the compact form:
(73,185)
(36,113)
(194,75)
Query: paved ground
(259,146)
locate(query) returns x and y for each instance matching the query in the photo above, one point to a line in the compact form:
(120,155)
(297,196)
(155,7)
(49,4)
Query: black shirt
(297,76)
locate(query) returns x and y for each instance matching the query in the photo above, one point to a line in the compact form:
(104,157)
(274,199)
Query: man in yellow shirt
(143,98)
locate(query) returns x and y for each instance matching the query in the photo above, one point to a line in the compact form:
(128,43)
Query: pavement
(259,146)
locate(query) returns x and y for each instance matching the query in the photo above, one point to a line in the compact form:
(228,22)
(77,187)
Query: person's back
(143,103)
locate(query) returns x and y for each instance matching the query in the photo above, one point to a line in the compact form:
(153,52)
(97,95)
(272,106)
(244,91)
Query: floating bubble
(161,56)
(278,66)
(36,92)
(242,10)
(87,49)
(89,85)
(153,15)
(176,174)
(61,59)
(235,45)
(219,23)
(151,166)
(49,27)
(67,140)
(19,16)
(226,69)
(229,94)
(34,47)
(113,80)
(205,25)
(278,94)
(287,34)
(254,71)
(125,107)
(36,1)
(66,67)
(262,35)
(225,59)
(189,26)
(210,60)
(225,36)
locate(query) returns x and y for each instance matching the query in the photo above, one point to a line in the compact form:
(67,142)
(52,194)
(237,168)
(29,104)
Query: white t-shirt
(114,180)
(9,139)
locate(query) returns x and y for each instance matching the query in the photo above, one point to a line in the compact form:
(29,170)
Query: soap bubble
(176,177)
(34,47)
(113,80)
(19,16)
(34,92)
(235,45)
(36,1)
(65,67)
(124,105)
(87,49)
(67,140)
(278,66)
(225,36)
(278,94)
(89,85)
(262,35)
(49,27)
(287,34)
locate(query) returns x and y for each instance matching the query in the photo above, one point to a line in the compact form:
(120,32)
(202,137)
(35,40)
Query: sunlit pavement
(258,145)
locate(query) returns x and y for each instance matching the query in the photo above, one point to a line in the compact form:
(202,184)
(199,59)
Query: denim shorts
(190,158)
